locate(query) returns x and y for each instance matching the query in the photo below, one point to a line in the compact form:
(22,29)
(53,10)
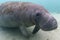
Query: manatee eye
(38,14)
(37,17)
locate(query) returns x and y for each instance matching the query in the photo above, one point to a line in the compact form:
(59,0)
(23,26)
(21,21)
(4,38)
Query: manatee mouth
(50,25)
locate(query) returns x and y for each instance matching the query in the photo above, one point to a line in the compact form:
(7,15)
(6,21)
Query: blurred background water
(51,5)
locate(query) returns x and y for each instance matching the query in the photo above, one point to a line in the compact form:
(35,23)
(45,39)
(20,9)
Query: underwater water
(53,6)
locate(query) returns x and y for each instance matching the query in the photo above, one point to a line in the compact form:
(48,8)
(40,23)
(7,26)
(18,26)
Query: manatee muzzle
(50,25)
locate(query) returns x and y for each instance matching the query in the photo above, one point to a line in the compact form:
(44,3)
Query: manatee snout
(50,25)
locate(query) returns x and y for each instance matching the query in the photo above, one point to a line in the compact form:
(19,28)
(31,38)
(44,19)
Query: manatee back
(13,14)
(16,13)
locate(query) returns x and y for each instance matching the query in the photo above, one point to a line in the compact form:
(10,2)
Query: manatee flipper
(37,26)
(36,29)
(24,31)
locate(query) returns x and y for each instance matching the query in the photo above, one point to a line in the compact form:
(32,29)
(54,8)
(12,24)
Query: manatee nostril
(55,23)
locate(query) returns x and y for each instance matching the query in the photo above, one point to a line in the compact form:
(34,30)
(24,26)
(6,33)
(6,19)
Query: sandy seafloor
(6,34)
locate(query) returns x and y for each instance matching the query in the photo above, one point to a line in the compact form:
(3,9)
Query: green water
(51,5)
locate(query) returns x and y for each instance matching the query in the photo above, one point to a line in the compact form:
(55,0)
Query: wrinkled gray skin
(24,14)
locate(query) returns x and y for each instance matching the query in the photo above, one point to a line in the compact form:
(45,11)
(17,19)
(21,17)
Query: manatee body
(26,14)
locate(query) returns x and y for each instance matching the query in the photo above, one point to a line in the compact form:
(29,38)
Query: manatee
(26,14)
